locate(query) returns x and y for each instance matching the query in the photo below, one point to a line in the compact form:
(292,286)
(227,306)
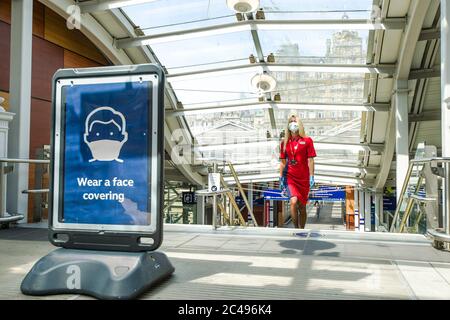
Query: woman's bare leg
(294,211)
(303,215)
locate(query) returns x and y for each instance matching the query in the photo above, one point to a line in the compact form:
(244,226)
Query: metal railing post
(214,217)
(3,190)
(409,206)
(446,198)
(233,203)
(241,190)
(400,200)
(4,170)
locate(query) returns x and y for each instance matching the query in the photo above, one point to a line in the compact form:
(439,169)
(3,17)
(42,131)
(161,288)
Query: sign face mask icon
(105,134)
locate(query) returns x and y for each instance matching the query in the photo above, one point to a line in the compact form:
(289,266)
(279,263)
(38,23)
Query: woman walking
(297,168)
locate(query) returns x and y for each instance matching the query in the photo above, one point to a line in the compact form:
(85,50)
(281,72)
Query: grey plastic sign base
(101,274)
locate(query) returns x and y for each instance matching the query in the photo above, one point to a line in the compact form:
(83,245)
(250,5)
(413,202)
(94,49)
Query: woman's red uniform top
(300,150)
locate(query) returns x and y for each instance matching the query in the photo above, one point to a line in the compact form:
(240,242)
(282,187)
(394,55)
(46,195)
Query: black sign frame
(75,237)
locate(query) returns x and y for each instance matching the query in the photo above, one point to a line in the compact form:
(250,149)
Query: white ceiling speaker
(264,82)
(243,6)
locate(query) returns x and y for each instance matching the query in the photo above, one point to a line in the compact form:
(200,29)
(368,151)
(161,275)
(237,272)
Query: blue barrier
(319,194)
(273,194)
(327,194)
(389,203)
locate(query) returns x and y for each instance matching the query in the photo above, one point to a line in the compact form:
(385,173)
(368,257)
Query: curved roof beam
(92,30)
(412,33)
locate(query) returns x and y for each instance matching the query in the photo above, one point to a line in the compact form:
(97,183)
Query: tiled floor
(266,264)
(330,217)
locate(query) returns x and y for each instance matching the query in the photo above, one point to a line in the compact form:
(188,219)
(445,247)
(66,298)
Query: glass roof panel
(325,125)
(318,46)
(232,87)
(239,137)
(198,53)
(337,154)
(300,87)
(317,9)
(247,128)
(172,15)
(339,157)
(320,87)
(236,153)
(260,168)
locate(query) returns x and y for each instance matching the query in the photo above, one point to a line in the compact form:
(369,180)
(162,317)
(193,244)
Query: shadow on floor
(308,247)
(24,234)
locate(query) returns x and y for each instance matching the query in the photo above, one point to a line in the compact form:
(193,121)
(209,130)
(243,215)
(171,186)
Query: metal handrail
(422,199)
(412,163)
(409,206)
(33,191)
(437,235)
(400,200)
(12,160)
(427,160)
(4,218)
(244,197)
(11,218)
(206,192)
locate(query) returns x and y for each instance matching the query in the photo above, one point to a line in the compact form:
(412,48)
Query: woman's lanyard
(293,161)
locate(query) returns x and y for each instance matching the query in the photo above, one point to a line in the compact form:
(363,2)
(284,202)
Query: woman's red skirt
(298,188)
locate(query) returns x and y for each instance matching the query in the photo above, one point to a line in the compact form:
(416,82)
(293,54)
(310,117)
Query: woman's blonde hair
(287,132)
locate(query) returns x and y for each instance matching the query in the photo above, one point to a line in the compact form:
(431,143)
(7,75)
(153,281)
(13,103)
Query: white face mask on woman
(294,127)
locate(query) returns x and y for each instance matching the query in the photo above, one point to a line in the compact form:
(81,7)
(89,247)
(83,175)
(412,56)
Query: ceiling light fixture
(243,6)
(263,83)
